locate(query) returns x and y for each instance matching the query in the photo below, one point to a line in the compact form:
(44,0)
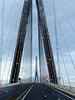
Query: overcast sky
(65,13)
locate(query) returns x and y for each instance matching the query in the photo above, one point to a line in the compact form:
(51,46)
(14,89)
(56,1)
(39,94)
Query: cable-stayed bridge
(36,50)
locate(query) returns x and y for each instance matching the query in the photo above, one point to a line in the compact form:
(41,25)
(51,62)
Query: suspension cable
(6,59)
(56,38)
(13,58)
(55,47)
(11,26)
(2,31)
(8,55)
(9,69)
(9,14)
(10,45)
(67,17)
(4,6)
(27,48)
(67,76)
(66,44)
(62,77)
(65,67)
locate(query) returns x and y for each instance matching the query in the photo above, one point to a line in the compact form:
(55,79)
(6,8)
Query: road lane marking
(27,93)
(62,93)
(45,96)
(64,90)
(43,91)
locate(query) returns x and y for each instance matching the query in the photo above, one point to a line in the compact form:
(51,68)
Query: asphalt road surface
(44,92)
(10,91)
(38,91)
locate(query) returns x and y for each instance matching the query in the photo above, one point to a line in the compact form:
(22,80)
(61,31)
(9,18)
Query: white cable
(2,31)
(66,44)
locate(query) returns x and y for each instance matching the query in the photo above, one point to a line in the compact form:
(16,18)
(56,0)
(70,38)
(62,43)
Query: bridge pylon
(43,30)
(21,38)
(20,41)
(36,74)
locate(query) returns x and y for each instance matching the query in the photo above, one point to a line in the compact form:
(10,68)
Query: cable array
(66,44)
(9,54)
(62,55)
(4,6)
(67,17)
(58,47)
(2,31)
(56,38)
(7,47)
(42,59)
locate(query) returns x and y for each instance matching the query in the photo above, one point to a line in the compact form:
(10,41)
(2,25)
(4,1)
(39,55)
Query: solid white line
(62,93)
(64,90)
(27,93)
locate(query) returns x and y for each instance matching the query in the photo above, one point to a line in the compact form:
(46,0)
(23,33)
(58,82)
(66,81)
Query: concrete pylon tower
(27,7)
(36,74)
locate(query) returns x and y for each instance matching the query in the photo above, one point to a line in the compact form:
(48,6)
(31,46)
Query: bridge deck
(44,92)
(37,91)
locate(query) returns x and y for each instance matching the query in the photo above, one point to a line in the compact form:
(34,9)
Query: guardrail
(66,89)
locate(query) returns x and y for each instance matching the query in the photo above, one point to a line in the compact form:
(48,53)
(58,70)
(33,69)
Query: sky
(65,21)
(65,16)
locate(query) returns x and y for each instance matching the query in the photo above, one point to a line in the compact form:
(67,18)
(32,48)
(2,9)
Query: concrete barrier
(69,90)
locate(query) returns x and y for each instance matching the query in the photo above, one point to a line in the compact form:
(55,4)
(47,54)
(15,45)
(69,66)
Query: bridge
(37,50)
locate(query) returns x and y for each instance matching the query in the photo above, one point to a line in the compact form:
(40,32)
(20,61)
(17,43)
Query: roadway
(38,91)
(8,92)
(45,92)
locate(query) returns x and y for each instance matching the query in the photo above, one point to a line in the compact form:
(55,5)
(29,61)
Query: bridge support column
(20,42)
(46,41)
(36,74)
